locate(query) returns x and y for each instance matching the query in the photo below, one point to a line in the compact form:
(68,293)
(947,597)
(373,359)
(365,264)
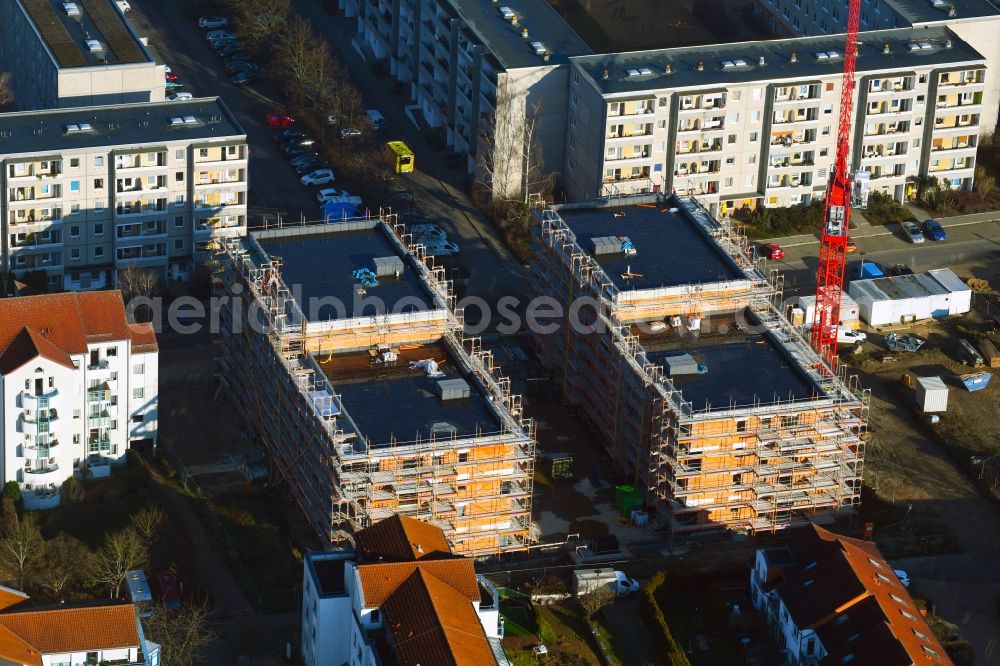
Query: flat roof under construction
(671,250)
(406,404)
(739,374)
(321,265)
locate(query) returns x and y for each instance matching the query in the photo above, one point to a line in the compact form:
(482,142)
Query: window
(112,351)
(730,160)
(756,94)
(99,161)
(753,136)
(463,457)
(375,615)
(826,131)
(98,229)
(98,252)
(920,635)
(74,186)
(138,394)
(98,183)
(178,243)
(728,182)
(92,657)
(573,100)
(74,208)
(203,152)
(916,143)
(752,159)
(179,176)
(74,254)
(99,204)
(74,231)
(179,199)
(139,368)
(74,162)
(928,650)
(749,181)
(179,222)
(731,138)
(662,102)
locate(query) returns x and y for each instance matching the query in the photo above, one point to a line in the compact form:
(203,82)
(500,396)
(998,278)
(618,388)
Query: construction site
(707,398)
(343,350)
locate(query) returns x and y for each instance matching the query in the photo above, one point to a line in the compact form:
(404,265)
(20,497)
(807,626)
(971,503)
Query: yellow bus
(400,155)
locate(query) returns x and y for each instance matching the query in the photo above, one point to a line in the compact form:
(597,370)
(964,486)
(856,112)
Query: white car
(176,97)
(428,233)
(328,193)
(123,5)
(846,334)
(212,22)
(441,248)
(318,177)
(220,35)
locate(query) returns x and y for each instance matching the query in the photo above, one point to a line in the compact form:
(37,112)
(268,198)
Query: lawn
(518,619)
(694,605)
(561,628)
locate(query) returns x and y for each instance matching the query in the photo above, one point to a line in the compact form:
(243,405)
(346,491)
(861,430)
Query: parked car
(934,230)
(850,247)
(317,177)
(912,232)
(306,158)
(286,134)
(123,5)
(772,251)
(176,97)
(309,167)
(428,233)
(237,66)
(405,196)
(349,132)
(375,120)
(170,76)
(292,150)
(212,22)
(279,120)
(296,141)
(331,193)
(173,85)
(441,248)
(846,334)
(170,592)
(217,35)
(243,78)
(231,50)
(352,201)
(903,577)
(303,151)
(900,269)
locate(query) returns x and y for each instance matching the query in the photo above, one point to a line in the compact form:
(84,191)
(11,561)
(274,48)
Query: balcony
(28,262)
(633,111)
(43,476)
(976,78)
(793,138)
(42,401)
(945,123)
(139,232)
(40,498)
(961,143)
(42,193)
(32,217)
(889,86)
(100,394)
(34,170)
(141,209)
(222,155)
(791,118)
(621,133)
(35,240)
(216,202)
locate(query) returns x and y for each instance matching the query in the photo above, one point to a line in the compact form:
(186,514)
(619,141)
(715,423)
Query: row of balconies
(799,93)
(949,122)
(795,180)
(29,239)
(702,102)
(149,251)
(616,109)
(954,143)
(630,153)
(887,129)
(957,164)
(890,86)
(42,192)
(141,207)
(797,116)
(41,169)
(694,168)
(46,261)
(35,216)
(967,78)
(622,132)
(150,228)
(793,138)
(696,147)
(141,161)
(619,175)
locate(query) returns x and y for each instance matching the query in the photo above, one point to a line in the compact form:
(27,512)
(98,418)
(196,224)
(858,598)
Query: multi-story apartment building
(977,22)
(79,385)
(75,54)
(756,123)
(342,350)
(68,634)
(830,599)
(472,65)
(708,399)
(400,597)
(88,191)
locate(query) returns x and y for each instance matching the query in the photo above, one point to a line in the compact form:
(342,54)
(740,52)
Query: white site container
(932,394)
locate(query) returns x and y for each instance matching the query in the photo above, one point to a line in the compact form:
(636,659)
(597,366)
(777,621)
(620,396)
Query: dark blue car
(933,230)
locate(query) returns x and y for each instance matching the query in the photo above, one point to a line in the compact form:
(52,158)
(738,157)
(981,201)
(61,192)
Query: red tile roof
(845,590)
(28,345)
(15,649)
(379,581)
(432,624)
(72,629)
(401,539)
(69,321)
(11,597)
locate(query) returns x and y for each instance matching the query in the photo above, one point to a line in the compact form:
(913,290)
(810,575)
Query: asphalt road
(965,245)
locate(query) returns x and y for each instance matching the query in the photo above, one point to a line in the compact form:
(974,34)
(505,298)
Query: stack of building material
(453,389)
(606,245)
(990,354)
(388,266)
(684,364)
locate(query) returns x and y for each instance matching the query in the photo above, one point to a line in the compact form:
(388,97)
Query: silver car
(912,232)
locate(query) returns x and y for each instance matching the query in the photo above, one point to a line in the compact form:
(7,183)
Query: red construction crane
(836,212)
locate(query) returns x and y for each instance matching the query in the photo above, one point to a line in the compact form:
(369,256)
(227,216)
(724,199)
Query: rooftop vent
(684,364)
(388,266)
(604,75)
(71,9)
(795,57)
(443,429)
(762,61)
(94,46)
(668,69)
(538,48)
(728,64)
(453,389)
(700,66)
(886,49)
(938,4)
(524,33)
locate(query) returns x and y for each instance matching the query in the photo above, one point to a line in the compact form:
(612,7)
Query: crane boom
(836,212)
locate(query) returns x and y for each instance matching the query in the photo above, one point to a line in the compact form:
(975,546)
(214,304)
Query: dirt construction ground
(922,491)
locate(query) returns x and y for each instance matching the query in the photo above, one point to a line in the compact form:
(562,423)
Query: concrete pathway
(866,230)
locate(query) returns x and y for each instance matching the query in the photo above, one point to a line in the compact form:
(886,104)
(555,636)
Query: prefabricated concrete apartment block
(370,412)
(722,413)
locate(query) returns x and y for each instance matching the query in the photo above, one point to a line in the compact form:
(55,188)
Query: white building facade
(756,123)
(79,386)
(87,192)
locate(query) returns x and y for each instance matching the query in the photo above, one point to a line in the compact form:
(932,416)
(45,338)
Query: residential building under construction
(708,398)
(342,347)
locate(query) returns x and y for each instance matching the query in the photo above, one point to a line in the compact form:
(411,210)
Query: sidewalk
(866,230)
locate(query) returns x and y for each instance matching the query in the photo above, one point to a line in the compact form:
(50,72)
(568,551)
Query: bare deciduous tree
(260,21)
(134,280)
(596,599)
(182,636)
(65,560)
(20,547)
(122,551)
(146,522)
(6,94)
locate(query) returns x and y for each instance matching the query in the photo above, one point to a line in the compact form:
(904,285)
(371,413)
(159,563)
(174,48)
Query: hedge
(652,615)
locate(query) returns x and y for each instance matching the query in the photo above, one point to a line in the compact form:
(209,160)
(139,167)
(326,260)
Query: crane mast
(836,212)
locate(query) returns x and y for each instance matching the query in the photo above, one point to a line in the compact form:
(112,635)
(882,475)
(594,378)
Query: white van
(376,120)
(846,334)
